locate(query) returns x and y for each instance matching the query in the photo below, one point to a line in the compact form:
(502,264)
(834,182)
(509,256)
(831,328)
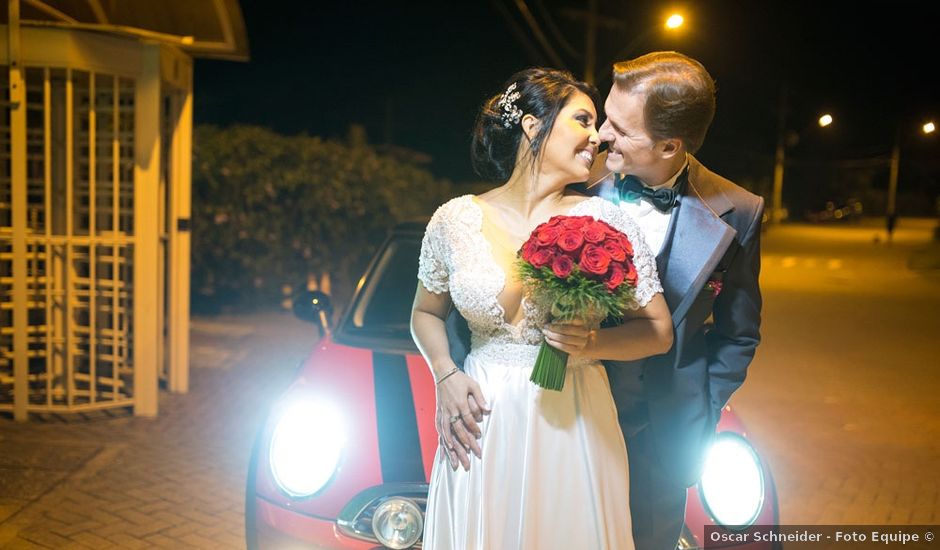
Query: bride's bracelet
(449,373)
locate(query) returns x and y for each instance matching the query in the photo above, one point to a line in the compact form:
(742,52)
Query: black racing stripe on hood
(399,444)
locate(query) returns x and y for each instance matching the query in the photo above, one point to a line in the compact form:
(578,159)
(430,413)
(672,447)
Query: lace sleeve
(648,284)
(432,267)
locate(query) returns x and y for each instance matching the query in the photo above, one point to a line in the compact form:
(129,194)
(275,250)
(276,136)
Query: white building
(96,130)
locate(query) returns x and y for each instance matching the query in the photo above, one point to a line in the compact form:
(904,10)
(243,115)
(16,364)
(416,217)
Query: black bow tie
(631,188)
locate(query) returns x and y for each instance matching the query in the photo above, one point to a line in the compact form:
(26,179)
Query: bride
(546,469)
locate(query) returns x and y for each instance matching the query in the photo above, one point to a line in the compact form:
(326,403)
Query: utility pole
(893,177)
(776,213)
(539,35)
(592,21)
(590,42)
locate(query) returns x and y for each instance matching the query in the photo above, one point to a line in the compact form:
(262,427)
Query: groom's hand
(460,408)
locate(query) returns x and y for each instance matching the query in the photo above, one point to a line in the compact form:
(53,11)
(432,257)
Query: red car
(344,457)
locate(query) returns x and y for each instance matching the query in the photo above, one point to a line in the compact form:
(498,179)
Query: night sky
(414,73)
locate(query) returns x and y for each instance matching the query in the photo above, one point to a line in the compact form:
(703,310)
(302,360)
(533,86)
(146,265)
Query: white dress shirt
(652,222)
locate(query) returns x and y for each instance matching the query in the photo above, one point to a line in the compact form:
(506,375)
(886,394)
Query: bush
(269,210)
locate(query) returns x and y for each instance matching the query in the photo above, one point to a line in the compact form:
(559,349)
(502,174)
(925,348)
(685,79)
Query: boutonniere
(714,285)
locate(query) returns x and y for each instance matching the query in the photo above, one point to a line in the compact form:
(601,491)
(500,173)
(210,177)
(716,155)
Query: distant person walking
(891,221)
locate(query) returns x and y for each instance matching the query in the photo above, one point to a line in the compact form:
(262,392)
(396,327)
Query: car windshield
(383,305)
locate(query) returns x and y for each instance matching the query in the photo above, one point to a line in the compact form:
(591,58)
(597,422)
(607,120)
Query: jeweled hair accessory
(511,114)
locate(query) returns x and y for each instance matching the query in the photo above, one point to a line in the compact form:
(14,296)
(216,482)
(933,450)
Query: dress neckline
(487,249)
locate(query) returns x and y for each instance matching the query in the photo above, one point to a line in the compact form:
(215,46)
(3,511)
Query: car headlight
(732,484)
(306,446)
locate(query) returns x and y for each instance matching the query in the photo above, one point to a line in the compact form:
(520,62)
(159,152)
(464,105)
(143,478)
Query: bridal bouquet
(581,268)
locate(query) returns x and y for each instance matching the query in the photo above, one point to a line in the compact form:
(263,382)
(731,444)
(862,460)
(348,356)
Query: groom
(705,231)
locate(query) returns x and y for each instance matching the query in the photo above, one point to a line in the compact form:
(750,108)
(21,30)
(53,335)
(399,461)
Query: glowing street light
(674,21)
(928,127)
(825,120)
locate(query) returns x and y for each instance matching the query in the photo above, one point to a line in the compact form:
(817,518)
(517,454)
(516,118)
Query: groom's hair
(680,95)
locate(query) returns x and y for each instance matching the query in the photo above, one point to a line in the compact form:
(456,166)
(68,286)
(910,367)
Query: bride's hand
(460,408)
(572,337)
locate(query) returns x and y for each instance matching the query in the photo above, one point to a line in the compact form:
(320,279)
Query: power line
(534,54)
(539,35)
(556,32)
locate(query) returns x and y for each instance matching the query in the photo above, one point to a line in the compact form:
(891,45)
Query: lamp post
(891,211)
(590,42)
(672,23)
(824,121)
(776,211)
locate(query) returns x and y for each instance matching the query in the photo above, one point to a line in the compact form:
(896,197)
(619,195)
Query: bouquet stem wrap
(582,269)
(551,365)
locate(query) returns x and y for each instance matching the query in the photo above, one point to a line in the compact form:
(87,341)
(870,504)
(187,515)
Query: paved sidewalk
(111,480)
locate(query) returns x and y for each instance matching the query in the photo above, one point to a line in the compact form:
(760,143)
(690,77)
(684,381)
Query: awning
(203,28)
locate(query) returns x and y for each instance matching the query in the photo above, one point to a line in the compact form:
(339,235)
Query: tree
(269,210)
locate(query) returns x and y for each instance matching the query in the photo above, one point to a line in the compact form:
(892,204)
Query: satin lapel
(699,238)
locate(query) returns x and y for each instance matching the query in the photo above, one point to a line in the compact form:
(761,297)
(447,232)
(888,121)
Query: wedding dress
(554,468)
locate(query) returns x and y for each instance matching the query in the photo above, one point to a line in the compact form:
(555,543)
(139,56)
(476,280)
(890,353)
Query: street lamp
(824,121)
(674,21)
(593,20)
(891,211)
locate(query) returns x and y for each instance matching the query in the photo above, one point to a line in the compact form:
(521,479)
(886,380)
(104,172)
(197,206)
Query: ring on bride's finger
(454,418)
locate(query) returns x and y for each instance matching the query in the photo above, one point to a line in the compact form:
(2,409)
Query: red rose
(555,221)
(611,230)
(594,260)
(594,232)
(626,244)
(615,276)
(547,234)
(541,258)
(562,266)
(528,249)
(631,274)
(615,249)
(576,222)
(570,240)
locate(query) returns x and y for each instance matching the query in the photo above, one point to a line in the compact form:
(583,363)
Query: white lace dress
(554,468)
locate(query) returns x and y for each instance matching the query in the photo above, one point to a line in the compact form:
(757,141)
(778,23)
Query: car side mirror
(315,307)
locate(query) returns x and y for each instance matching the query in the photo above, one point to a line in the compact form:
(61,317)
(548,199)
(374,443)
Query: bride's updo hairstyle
(498,130)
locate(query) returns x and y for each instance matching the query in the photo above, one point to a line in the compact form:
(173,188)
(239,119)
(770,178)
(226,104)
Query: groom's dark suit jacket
(713,235)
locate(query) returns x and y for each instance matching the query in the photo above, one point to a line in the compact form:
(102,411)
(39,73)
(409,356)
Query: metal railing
(80,161)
